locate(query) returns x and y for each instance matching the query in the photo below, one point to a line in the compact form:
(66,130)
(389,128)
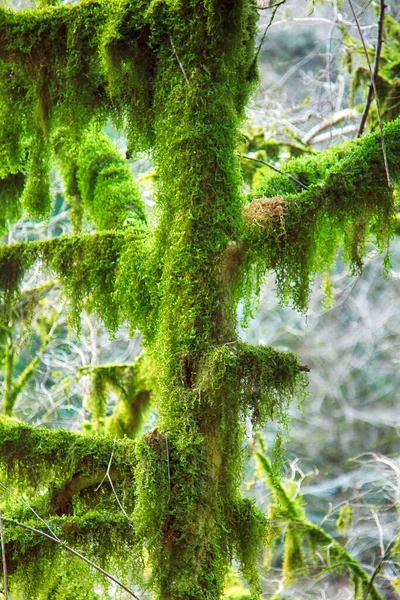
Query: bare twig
(3,555)
(373,84)
(264,35)
(108,476)
(78,554)
(108,467)
(379,567)
(178,59)
(329,135)
(376,67)
(334,119)
(259,160)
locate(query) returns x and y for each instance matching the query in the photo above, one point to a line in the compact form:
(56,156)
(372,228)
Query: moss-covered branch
(133,385)
(301,531)
(41,568)
(91,269)
(13,387)
(37,458)
(263,379)
(99,182)
(297,233)
(67,67)
(86,266)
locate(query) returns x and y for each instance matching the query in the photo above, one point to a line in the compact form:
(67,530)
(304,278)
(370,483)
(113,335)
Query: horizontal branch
(89,266)
(264,379)
(36,458)
(297,232)
(88,532)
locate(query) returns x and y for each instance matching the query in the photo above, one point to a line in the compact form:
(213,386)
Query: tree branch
(374,80)
(41,456)
(373,84)
(82,557)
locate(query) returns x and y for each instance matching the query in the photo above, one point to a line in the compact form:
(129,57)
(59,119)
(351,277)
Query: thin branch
(373,83)
(108,467)
(3,555)
(329,135)
(379,567)
(376,67)
(332,120)
(259,160)
(119,502)
(178,59)
(264,35)
(78,554)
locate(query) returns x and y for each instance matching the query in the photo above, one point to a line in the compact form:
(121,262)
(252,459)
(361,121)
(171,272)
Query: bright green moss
(85,265)
(36,458)
(347,205)
(101,180)
(41,569)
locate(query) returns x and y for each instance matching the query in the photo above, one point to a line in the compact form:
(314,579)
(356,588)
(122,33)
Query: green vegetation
(176,76)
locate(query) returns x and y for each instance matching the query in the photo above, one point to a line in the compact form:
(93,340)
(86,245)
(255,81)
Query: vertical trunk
(200,431)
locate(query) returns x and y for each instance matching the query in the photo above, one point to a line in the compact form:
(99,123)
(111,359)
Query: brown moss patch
(266,212)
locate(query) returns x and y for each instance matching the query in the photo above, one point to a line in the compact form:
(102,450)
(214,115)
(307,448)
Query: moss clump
(99,181)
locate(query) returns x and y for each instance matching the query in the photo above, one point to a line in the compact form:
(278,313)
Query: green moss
(85,265)
(347,205)
(100,180)
(132,385)
(387,82)
(289,517)
(176,76)
(37,458)
(43,570)
(344,518)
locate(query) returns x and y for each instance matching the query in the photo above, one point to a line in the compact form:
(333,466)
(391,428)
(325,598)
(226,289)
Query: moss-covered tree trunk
(200,202)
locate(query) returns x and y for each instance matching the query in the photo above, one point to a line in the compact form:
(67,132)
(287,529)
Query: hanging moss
(346,206)
(85,265)
(100,180)
(43,570)
(176,75)
(264,380)
(36,198)
(248,531)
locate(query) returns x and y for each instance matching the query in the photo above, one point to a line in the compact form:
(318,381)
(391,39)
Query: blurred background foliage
(344,447)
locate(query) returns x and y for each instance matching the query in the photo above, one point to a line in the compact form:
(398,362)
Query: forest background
(343,449)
